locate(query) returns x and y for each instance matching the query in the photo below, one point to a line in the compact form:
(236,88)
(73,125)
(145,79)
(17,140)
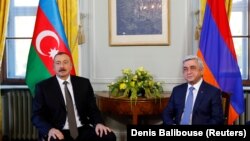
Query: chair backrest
(225,104)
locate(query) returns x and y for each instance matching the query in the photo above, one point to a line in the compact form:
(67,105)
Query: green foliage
(135,84)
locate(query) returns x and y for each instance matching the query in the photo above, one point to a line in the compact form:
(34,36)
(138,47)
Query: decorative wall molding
(97,45)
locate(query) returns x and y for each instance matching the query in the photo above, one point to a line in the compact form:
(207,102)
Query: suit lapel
(200,95)
(183,98)
(75,89)
(58,92)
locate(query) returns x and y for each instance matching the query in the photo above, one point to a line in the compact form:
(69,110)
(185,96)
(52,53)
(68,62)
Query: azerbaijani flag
(48,39)
(218,55)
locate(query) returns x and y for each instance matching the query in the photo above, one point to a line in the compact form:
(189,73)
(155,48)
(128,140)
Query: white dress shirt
(195,93)
(69,85)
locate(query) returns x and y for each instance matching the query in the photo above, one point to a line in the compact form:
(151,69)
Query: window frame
(17,11)
(9,81)
(247,81)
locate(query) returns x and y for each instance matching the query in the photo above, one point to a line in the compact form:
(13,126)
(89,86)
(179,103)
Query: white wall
(102,64)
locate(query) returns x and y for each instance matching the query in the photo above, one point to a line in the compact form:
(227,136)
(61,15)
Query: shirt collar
(197,85)
(61,80)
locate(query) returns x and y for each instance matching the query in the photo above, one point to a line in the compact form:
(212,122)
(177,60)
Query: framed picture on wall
(139,22)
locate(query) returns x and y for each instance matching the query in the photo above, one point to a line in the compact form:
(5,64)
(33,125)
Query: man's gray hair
(194,57)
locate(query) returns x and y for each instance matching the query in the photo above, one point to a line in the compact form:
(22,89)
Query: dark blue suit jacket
(49,111)
(207,108)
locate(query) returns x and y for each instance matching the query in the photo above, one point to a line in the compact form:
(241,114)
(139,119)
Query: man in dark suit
(50,113)
(206,107)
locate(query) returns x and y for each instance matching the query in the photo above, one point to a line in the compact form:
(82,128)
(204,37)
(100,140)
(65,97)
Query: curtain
(69,14)
(4,12)
(228,4)
(202,7)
